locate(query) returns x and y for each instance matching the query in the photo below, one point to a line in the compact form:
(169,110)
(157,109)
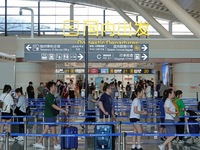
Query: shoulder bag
(3,107)
(176,118)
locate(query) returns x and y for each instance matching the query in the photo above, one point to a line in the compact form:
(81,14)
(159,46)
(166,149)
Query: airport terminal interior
(98,45)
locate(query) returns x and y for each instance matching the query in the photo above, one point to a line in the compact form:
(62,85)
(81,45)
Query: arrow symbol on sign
(144,56)
(144,48)
(28,47)
(80,56)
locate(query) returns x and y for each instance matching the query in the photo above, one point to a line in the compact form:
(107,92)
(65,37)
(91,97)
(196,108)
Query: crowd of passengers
(136,92)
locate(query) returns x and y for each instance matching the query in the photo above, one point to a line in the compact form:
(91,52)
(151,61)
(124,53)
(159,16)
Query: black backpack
(128,88)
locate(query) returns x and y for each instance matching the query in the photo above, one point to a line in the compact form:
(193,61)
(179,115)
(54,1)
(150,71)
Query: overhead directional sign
(76,52)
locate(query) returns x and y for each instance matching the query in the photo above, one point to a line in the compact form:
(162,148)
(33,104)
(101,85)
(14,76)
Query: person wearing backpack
(180,108)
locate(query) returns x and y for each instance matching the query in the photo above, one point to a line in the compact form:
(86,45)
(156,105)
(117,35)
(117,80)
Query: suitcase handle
(104,118)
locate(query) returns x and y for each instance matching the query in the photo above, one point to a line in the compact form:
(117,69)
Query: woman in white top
(170,113)
(135,116)
(7,111)
(20,110)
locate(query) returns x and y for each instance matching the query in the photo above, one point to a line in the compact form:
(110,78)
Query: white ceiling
(153,7)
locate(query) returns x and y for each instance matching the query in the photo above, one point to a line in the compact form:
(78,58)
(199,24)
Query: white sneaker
(161,147)
(39,145)
(57,146)
(180,141)
(1,139)
(20,138)
(11,139)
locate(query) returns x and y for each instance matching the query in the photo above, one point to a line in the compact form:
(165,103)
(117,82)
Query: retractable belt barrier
(120,134)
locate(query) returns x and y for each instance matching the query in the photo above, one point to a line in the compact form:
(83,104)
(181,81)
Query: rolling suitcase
(193,129)
(104,142)
(15,127)
(69,142)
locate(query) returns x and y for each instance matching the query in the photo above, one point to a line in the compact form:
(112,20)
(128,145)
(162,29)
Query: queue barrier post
(43,126)
(25,131)
(124,134)
(48,141)
(7,134)
(35,126)
(119,137)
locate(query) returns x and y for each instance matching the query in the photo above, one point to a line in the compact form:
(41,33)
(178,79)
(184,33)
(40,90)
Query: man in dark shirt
(30,90)
(105,103)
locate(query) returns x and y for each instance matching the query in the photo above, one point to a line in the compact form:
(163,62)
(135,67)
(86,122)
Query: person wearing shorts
(135,117)
(7,113)
(49,117)
(170,113)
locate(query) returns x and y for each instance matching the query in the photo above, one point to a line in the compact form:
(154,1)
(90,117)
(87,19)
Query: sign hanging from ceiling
(96,52)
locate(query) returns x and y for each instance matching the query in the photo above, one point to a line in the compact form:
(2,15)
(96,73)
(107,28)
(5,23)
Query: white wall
(7,74)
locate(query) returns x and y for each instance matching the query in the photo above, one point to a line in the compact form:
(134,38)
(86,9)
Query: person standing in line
(162,116)
(71,90)
(7,112)
(21,110)
(101,86)
(170,113)
(181,113)
(76,91)
(158,90)
(106,105)
(40,90)
(31,94)
(162,88)
(50,103)
(30,91)
(128,90)
(135,117)
(91,105)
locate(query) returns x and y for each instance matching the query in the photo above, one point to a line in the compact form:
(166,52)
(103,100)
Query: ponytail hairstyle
(7,88)
(19,90)
(135,93)
(178,93)
(166,94)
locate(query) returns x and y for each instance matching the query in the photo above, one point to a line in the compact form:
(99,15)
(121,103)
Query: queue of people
(170,100)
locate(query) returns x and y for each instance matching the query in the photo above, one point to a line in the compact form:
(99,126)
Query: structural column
(154,23)
(183,16)
(170,27)
(72,16)
(186,78)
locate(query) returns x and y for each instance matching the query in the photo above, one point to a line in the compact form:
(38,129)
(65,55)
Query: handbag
(176,118)
(54,111)
(16,111)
